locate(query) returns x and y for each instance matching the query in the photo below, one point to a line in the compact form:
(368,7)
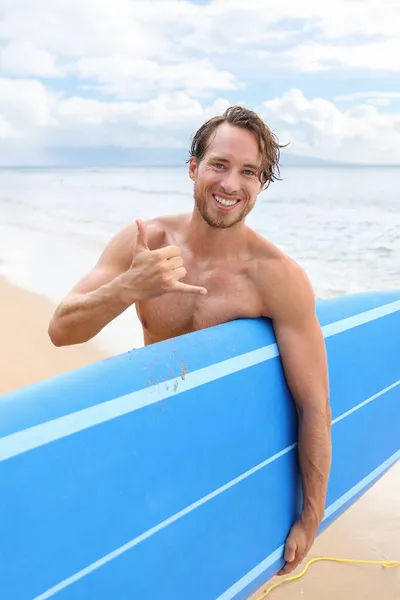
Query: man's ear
(193,166)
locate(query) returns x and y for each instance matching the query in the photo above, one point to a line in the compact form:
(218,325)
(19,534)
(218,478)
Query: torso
(231,295)
(232,292)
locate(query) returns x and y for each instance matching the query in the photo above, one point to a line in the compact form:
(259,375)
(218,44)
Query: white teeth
(225,202)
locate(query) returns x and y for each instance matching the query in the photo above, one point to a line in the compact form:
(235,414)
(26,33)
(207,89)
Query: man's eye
(219,165)
(249,172)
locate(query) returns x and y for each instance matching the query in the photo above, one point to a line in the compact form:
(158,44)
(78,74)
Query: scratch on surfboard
(184,371)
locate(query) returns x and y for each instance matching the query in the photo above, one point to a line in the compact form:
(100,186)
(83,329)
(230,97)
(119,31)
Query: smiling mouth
(224,203)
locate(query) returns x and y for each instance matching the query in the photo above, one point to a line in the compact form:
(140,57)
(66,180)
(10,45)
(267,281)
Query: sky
(139,77)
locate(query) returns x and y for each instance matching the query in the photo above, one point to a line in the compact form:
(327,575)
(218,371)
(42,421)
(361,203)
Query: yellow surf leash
(388,564)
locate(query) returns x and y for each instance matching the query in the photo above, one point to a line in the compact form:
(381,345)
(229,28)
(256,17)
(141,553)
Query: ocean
(342,224)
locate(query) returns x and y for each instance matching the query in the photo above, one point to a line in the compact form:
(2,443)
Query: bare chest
(231,295)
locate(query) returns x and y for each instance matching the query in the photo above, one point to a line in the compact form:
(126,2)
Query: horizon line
(178,165)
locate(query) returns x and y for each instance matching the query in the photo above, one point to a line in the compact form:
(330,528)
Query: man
(192,271)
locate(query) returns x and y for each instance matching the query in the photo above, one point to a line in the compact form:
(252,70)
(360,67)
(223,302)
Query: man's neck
(208,242)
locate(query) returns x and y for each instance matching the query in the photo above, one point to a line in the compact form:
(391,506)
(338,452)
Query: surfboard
(170,471)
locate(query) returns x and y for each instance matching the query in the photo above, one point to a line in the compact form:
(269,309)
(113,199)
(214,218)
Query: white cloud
(348,33)
(367,96)
(131,48)
(383,55)
(139,78)
(21,58)
(148,72)
(27,106)
(32,114)
(6,131)
(317,127)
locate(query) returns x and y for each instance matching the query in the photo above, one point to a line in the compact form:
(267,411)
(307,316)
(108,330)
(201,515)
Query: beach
(27,354)
(53,226)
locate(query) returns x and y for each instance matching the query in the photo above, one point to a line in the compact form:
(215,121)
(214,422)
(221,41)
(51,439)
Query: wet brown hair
(247,119)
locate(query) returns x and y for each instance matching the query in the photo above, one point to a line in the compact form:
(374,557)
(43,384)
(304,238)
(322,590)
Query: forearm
(315,454)
(82,316)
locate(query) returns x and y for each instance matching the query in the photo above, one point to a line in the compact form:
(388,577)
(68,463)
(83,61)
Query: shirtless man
(192,271)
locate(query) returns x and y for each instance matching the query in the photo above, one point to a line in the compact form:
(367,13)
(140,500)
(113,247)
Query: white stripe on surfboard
(247,579)
(367,401)
(50,431)
(150,532)
(144,536)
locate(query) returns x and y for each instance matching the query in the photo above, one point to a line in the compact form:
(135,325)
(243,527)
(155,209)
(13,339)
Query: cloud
(21,58)
(131,48)
(389,96)
(26,106)
(32,114)
(125,78)
(308,35)
(148,72)
(318,127)
(382,55)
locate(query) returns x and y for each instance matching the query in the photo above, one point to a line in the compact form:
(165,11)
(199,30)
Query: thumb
(141,241)
(290,550)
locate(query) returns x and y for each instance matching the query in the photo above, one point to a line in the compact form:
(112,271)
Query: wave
(127,188)
(383,250)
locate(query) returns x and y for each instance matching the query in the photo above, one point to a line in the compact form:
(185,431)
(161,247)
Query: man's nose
(230,182)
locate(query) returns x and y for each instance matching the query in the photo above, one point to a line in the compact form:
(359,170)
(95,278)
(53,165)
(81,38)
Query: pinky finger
(185,288)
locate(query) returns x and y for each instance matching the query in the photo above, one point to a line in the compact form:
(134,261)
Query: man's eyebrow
(254,167)
(219,158)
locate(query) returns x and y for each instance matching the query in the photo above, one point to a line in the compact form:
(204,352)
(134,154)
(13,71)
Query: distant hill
(113,157)
(295,160)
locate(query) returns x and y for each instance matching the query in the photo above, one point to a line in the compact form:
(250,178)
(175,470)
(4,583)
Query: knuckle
(165,285)
(161,266)
(165,276)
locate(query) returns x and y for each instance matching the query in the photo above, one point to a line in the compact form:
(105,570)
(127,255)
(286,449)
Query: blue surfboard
(170,471)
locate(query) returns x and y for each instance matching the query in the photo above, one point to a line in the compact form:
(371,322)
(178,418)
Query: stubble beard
(220,221)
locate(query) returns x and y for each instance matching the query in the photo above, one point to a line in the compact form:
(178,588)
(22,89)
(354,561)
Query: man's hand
(156,272)
(298,543)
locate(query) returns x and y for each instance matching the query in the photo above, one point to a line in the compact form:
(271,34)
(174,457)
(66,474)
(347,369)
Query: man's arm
(126,272)
(291,305)
(94,301)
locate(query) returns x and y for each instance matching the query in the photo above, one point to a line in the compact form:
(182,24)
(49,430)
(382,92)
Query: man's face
(226,182)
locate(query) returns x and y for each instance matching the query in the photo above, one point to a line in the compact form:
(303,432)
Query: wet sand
(369,530)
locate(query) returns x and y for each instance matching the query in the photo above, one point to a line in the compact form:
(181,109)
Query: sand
(27,354)
(369,530)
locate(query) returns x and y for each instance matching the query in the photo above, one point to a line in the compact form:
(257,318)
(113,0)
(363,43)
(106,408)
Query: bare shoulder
(120,248)
(284,287)
(166,230)
(118,254)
